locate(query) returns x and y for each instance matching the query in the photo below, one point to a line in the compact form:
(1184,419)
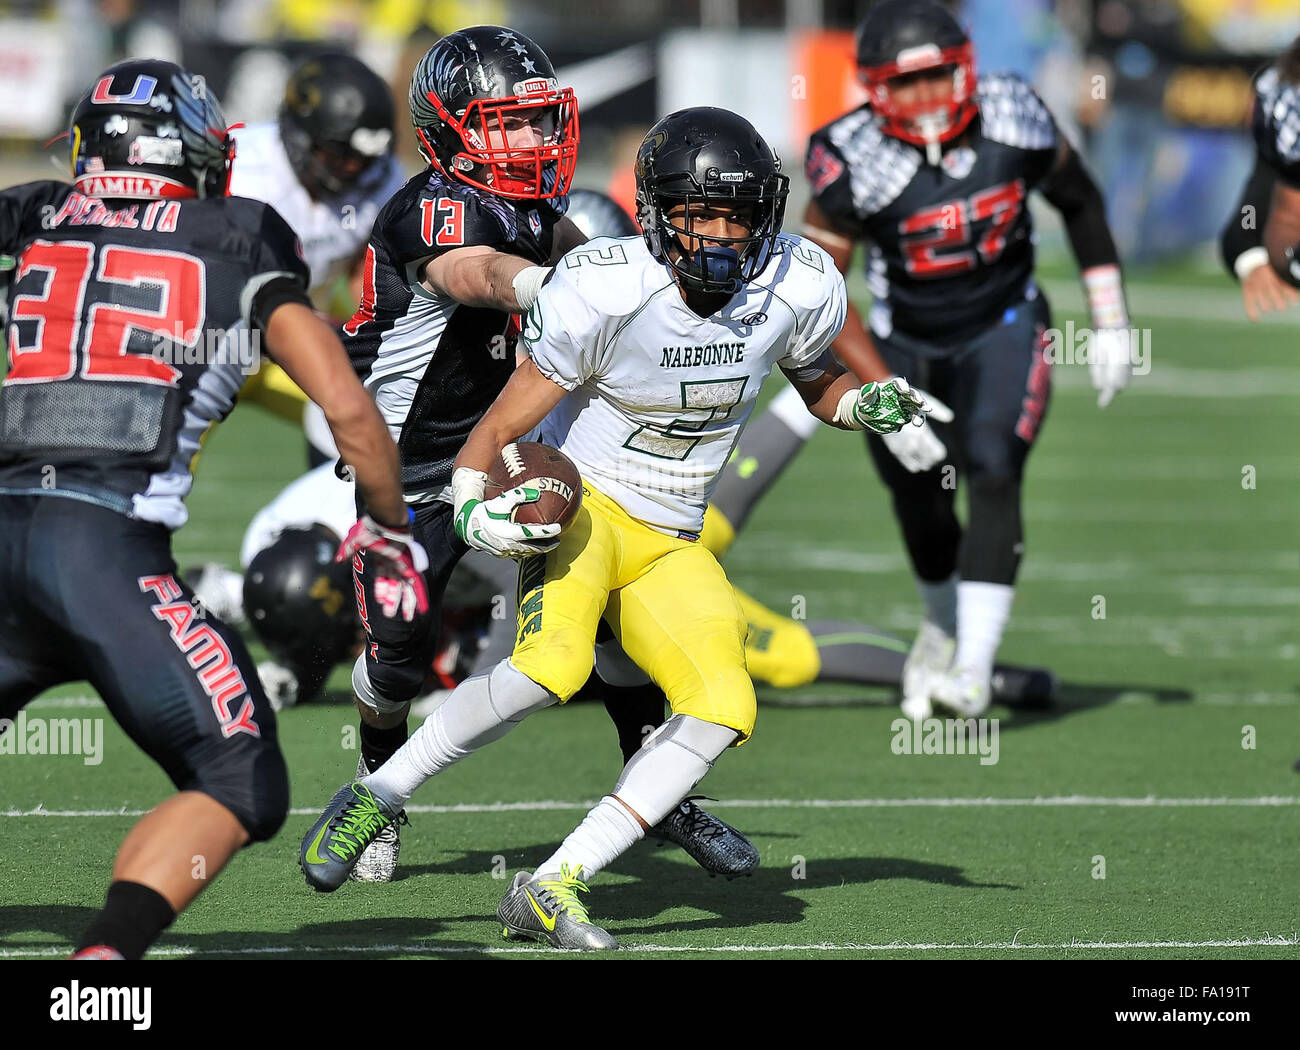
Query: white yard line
(672,949)
(1041,801)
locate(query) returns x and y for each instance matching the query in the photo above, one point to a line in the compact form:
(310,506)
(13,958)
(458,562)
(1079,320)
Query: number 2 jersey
(129,334)
(949,245)
(659,395)
(433,364)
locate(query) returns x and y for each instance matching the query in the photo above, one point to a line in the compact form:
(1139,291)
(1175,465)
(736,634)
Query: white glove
(279,683)
(1109,363)
(918,447)
(485,525)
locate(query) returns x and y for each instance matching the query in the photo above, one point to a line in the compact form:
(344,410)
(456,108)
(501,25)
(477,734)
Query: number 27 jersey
(658,395)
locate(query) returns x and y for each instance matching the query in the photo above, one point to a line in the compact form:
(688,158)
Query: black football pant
(399,655)
(88,593)
(998,385)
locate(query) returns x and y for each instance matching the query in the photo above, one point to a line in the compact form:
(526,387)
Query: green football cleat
(350,823)
(546,908)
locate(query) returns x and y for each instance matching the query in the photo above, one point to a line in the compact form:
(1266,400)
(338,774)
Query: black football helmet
(705,155)
(469,93)
(599,215)
(902,37)
(149,129)
(336,122)
(301,605)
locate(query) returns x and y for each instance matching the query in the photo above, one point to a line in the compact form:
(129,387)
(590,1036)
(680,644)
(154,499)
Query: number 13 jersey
(659,395)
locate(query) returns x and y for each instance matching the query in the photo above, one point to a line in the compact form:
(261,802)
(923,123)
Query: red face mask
(524,147)
(924,123)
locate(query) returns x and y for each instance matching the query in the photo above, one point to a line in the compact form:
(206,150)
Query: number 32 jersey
(128,337)
(659,395)
(949,245)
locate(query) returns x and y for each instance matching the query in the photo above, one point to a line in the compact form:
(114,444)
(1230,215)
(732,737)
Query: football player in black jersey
(453,257)
(1263,290)
(932,173)
(1276,127)
(140,292)
(1275,123)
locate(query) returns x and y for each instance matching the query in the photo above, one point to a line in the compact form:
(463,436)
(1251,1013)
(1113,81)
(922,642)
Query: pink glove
(398,567)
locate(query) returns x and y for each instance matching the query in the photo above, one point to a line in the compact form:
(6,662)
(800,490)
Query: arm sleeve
(1239,235)
(1072,192)
(563,333)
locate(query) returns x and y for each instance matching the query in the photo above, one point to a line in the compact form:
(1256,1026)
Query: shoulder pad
(879,166)
(614,275)
(1275,123)
(432,214)
(1012,113)
(800,271)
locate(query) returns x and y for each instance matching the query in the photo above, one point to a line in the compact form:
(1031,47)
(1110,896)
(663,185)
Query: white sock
(607,832)
(481,709)
(982,613)
(940,600)
(674,758)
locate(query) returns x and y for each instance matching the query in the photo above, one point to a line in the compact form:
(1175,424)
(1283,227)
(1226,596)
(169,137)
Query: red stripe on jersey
(366,308)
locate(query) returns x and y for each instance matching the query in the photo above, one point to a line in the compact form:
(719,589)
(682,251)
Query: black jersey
(434,364)
(1275,123)
(129,335)
(949,246)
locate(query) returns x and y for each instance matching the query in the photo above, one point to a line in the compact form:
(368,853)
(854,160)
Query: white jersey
(659,395)
(318,497)
(332,232)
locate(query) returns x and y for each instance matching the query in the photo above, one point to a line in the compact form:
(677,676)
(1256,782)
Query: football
(538,466)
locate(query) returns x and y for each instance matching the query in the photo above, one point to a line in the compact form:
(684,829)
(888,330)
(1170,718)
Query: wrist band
(1249,261)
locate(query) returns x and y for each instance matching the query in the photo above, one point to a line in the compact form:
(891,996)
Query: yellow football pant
(778,650)
(667,600)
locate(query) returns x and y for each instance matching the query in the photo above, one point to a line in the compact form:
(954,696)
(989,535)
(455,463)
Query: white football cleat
(964,692)
(378,861)
(930,657)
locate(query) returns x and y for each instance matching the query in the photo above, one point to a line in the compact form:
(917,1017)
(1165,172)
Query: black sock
(132,919)
(379,745)
(635,710)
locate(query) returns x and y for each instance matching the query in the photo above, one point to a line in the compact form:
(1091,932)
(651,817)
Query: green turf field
(865,852)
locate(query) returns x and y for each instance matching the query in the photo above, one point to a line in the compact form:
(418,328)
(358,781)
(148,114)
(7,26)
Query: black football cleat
(714,844)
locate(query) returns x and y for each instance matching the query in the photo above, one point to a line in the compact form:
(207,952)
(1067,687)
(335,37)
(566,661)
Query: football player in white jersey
(645,358)
(327,165)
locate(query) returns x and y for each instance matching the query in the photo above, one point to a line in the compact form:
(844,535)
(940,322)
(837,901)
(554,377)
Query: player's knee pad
(374,697)
(559,659)
(513,695)
(673,759)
